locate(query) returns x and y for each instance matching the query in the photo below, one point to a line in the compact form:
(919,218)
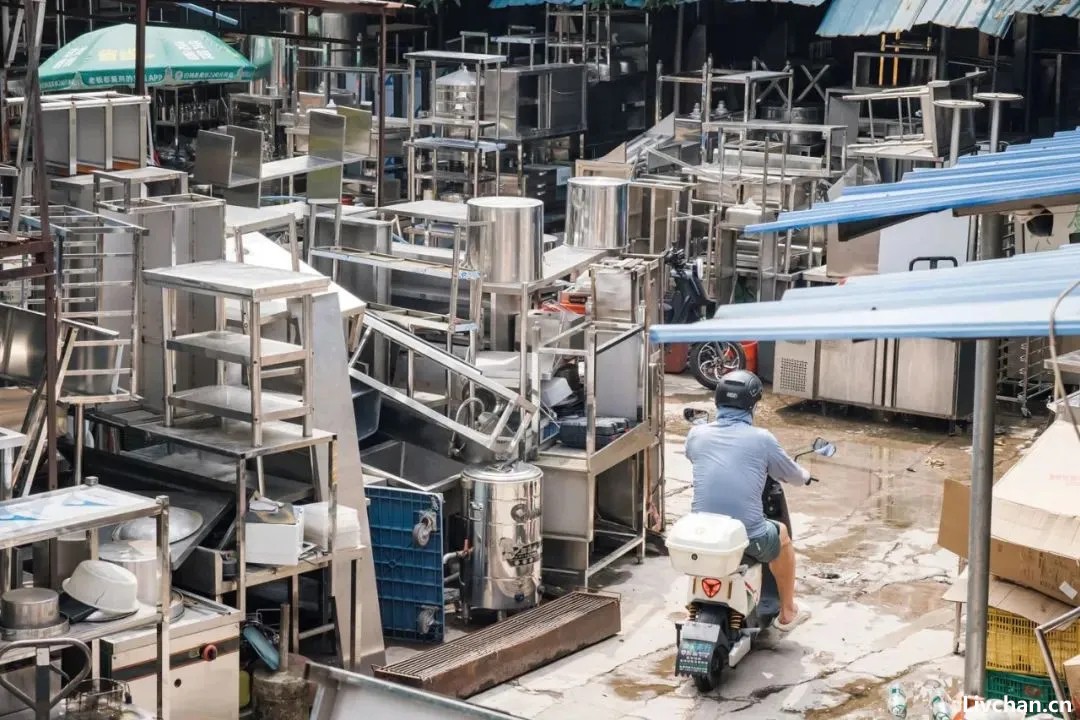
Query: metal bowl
(183,524)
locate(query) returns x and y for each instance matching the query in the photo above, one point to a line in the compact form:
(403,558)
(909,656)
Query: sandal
(802,617)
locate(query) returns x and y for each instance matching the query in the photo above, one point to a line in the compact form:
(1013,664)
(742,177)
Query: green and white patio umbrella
(174,56)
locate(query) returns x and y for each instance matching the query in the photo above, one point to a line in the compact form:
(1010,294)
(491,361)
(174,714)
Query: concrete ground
(869,570)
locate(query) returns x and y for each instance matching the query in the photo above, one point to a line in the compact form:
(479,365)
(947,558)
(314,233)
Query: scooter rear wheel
(711,361)
(708,683)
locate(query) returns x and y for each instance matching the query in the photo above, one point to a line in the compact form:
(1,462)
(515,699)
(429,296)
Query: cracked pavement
(869,570)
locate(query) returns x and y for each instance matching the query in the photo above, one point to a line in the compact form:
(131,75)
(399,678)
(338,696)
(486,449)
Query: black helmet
(739,389)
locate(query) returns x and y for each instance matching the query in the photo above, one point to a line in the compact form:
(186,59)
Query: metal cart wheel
(43,703)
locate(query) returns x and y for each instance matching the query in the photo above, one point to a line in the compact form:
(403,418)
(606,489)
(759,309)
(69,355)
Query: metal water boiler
(597,212)
(506,243)
(503,504)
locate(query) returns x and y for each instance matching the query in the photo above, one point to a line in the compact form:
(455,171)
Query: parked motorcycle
(687,303)
(732,597)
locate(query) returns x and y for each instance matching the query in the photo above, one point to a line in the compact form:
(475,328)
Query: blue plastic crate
(408,574)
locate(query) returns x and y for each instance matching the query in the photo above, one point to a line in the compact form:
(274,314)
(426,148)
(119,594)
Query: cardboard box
(1072,679)
(1035,528)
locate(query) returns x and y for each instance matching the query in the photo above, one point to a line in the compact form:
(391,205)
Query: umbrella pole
(140,47)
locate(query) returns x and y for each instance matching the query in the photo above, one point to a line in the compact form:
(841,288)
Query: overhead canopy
(1004,298)
(1038,174)
(174,56)
(994,17)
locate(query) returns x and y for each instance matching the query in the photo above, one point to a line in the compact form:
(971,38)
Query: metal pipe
(1040,637)
(982,484)
(140,47)
(380,153)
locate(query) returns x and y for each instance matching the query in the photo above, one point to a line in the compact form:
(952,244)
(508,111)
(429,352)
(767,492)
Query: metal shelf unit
(472,150)
(252,286)
(232,160)
(88,508)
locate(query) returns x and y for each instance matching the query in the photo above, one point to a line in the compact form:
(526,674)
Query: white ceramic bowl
(104,586)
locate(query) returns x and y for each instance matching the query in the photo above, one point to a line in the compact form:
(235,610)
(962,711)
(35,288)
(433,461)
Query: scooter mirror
(824,448)
(693,415)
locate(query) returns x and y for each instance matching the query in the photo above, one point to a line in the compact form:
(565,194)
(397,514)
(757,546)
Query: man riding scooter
(732,460)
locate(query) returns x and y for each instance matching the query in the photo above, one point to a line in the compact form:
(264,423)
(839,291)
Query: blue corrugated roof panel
(1007,297)
(994,17)
(987,319)
(1022,174)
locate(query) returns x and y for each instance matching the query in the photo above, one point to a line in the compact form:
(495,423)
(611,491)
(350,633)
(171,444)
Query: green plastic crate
(1018,688)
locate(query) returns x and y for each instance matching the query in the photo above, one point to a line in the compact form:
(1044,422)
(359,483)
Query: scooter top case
(572,431)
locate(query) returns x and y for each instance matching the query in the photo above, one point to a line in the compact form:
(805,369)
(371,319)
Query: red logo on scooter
(710,586)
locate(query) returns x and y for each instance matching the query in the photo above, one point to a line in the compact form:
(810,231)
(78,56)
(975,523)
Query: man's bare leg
(783,570)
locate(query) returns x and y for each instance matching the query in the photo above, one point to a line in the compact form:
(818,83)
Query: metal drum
(597,212)
(503,571)
(509,246)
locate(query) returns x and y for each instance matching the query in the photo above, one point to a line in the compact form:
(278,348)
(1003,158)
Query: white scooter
(732,598)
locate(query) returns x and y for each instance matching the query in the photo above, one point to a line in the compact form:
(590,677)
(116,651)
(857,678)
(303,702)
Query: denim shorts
(766,547)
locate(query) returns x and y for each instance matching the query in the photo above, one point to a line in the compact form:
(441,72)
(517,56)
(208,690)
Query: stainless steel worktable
(236,280)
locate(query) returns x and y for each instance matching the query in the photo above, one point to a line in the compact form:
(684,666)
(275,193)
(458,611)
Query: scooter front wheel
(711,361)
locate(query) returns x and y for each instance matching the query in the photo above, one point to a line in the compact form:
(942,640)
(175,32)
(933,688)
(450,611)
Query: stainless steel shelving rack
(244,425)
(474,148)
(573,483)
(88,508)
(232,161)
(252,286)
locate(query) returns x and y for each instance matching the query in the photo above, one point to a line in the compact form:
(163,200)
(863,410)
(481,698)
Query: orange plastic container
(676,356)
(750,350)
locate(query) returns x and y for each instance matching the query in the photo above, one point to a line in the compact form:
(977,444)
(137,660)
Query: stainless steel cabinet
(934,377)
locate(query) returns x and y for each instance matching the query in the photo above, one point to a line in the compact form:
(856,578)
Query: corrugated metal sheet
(499,4)
(994,17)
(1010,297)
(988,319)
(1020,176)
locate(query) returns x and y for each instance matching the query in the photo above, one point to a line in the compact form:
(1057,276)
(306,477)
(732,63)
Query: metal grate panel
(408,574)
(511,648)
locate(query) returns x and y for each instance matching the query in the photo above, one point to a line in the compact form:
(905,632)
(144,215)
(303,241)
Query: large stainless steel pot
(456,95)
(503,570)
(29,608)
(509,246)
(597,212)
(140,557)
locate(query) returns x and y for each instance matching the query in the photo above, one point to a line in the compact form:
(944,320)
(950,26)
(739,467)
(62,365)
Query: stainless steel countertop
(237,280)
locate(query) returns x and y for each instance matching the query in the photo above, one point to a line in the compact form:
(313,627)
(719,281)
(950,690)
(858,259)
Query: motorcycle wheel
(708,683)
(711,361)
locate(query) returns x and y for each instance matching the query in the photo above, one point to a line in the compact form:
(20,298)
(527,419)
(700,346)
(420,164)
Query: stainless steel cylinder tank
(503,504)
(597,212)
(509,246)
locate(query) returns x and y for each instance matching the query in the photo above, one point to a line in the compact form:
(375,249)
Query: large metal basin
(416,464)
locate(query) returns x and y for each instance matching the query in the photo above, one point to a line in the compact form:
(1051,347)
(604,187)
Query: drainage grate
(526,641)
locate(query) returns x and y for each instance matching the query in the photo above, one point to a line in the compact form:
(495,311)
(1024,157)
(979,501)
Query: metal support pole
(380,153)
(982,485)
(140,48)
(982,479)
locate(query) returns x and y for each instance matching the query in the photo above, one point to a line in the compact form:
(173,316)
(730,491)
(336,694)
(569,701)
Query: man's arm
(782,467)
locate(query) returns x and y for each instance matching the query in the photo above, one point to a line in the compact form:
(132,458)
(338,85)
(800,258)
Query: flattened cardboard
(1035,528)
(1072,679)
(1012,598)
